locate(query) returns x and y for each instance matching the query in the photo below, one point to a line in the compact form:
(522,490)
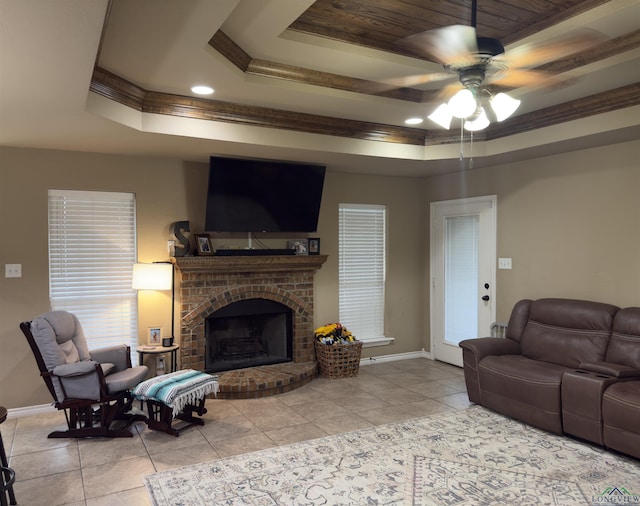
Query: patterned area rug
(466,457)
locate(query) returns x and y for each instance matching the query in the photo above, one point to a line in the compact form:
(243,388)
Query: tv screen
(263,196)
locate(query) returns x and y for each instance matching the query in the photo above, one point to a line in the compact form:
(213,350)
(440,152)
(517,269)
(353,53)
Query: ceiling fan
(478,62)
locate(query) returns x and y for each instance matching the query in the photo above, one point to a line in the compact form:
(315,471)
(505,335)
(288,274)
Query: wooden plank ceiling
(379,24)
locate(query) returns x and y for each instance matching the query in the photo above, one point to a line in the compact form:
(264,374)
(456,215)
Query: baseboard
(396,356)
(40,409)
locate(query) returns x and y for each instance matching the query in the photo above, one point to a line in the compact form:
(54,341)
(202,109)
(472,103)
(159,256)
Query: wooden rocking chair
(92,387)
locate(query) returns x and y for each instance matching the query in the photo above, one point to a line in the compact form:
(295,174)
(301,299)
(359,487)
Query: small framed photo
(155,336)
(300,245)
(203,244)
(314,245)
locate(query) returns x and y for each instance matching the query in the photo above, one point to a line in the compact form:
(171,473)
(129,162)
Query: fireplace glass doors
(248,333)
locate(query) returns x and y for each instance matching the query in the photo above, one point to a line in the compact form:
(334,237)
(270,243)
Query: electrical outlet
(12,270)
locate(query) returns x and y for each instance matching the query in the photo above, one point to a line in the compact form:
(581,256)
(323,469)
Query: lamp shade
(479,123)
(152,276)
(463,104)
(442,116)
(503,105)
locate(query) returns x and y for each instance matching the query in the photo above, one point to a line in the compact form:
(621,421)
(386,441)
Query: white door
(463,259)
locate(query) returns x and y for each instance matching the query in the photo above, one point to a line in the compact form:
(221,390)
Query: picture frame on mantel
(300,245)
(314,245)
(203,245)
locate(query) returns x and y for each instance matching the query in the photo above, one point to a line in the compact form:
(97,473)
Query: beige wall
(168,191)
(571,224)
(25,177)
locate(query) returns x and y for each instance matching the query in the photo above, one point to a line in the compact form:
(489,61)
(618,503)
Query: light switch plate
(504,263)
(12,270)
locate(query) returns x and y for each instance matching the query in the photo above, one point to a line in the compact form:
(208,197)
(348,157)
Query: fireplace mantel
(249,263)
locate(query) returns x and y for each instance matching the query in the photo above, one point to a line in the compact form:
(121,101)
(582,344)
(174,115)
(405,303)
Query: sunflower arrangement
(334,333)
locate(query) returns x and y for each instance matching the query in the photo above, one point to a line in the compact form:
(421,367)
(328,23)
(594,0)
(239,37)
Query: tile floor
(106,472)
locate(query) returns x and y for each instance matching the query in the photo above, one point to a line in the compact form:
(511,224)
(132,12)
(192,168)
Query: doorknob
(485,298)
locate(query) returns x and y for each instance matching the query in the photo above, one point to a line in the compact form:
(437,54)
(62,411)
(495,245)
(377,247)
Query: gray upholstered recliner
(92,386)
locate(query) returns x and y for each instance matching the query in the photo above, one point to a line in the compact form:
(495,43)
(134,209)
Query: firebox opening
(248,333)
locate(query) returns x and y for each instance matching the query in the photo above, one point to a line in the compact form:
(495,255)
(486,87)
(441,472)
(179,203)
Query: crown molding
(124,92)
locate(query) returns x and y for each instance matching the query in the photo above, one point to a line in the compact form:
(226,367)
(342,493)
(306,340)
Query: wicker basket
(338,360)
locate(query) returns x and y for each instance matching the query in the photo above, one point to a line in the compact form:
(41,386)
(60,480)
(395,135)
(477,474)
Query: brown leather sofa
(566,366)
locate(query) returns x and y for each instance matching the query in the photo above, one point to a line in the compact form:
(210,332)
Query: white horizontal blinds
(362,269)
(92,248)
(461,278)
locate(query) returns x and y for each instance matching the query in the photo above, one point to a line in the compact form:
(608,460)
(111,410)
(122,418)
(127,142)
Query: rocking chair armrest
(117,355)
(76,369)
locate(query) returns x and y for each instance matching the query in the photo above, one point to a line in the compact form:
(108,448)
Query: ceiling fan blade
(448,45)
(530,78)
(418,79)
(448,91)
(386,85)
(515,78)
(534,55)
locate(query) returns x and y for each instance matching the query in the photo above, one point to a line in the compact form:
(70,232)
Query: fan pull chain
(462,143)
(471,151)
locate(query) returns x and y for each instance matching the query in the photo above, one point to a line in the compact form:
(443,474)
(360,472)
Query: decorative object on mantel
(337,351)
(314,245)
(301,246)
(203,245)
(179,245)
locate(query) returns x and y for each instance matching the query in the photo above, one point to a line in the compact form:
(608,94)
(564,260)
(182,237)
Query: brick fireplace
(209,283)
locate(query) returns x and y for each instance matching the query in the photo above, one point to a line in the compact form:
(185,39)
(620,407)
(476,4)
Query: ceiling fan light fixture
(442,116)
(463,104)
(480,123)
(503,105)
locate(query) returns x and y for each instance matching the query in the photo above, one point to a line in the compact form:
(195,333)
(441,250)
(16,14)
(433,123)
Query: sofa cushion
(529,381)
(567,332)
(624,346)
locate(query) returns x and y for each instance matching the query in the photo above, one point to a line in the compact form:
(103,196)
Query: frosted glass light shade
(442,116)
(503,105)
(152,276)
(479,123)
(462,104)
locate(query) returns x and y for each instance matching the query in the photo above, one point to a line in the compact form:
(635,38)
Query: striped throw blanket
(177,389)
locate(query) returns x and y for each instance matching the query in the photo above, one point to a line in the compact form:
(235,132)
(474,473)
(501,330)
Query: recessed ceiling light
(202,90)
(413,121)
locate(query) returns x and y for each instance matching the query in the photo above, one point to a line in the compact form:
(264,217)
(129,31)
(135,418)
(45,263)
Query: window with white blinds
(361,270)
(92,248)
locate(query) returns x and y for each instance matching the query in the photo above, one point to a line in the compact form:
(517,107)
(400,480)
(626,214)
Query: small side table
(157,350)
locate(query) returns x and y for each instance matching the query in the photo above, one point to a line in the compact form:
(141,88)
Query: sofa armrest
(474,350)
(484,346)
(611,369)
(117,355)
(80,380)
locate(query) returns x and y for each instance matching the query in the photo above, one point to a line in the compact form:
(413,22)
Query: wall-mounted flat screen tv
(263,196)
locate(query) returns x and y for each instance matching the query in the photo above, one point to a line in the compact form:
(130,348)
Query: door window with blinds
(92,248)
(362,262)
